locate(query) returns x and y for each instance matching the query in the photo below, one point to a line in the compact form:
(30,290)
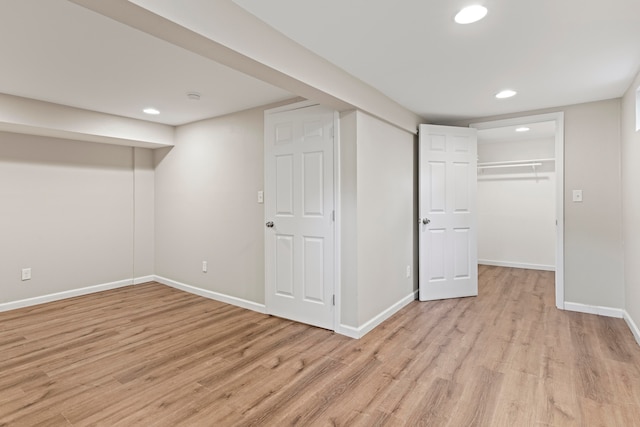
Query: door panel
(313,186)
(313,262)
(447,230)
(438,192)
(461,187)
(461,245)
(299,202)
(284,265)
(284,189)
(436,255)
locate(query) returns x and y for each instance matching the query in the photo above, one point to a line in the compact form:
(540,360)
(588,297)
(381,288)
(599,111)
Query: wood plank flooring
(150,355)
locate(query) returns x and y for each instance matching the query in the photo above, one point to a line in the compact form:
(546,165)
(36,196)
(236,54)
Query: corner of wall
(629,157)
(635,330)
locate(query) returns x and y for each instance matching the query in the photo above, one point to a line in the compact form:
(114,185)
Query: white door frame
(558,118)
(337,285)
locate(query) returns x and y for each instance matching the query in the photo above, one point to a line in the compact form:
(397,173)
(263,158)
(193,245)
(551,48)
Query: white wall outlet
(577,196)
(26,274)
(408,271)
(205,266)
(260,196)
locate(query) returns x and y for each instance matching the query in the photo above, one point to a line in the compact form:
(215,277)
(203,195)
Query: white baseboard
(517,265)
(63,295)
(143,279)
(632,325)
(594,309)
(249,305)
(361,331)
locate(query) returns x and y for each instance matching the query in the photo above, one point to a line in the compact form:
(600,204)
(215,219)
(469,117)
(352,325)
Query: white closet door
(447,230)
(299,239)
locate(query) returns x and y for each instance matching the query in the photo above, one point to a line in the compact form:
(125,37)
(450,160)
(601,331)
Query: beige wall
(66,212)
(206,206)
(631,201)
(144,215)
(593,229)
(386,215)
(378,207)
(349,218)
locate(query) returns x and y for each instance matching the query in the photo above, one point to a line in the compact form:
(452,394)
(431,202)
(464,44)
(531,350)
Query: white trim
(517,265)
(143,279)
(337,224)
(632,325)
(558,117)
(227,299)
(13,305)
(349,331)
(594,309)
(559,165)
(361,331)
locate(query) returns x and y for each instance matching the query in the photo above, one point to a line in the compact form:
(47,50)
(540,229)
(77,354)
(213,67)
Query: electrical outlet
(408,271)
(260,196)
(26,274)
(204,266)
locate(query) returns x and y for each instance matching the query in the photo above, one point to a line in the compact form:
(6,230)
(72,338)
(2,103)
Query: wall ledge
(34,117)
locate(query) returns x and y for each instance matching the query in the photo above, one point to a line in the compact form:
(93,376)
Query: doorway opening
(521,194)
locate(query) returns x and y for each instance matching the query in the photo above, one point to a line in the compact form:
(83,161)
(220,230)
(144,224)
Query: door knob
(269,224)
(424,221)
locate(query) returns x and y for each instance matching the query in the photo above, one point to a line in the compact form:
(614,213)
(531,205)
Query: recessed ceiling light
(471,14)
(523,129)
(151,111)
(507,93)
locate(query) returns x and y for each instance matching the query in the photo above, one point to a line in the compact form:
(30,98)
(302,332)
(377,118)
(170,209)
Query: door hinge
(333,216)
(333,299)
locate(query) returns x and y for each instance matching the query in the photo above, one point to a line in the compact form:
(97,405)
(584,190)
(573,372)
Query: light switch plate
(577,196)
(260,196)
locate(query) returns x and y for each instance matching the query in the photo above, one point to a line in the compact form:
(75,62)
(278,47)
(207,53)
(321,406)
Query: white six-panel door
(299,222)
(447,219)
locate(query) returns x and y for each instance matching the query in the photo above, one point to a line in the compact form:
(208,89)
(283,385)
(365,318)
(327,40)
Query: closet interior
(517,196)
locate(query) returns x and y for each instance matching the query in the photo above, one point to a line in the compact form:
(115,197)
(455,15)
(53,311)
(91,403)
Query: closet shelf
(514,164)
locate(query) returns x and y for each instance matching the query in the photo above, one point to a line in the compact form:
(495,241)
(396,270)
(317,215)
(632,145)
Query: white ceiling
(552,52)
(539,130)
(57,51)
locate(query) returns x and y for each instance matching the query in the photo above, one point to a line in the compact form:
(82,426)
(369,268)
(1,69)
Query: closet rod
(515,165)
(515,162)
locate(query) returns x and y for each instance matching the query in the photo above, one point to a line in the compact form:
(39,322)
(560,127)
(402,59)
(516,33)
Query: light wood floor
(150,355)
